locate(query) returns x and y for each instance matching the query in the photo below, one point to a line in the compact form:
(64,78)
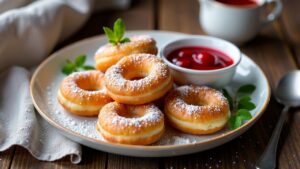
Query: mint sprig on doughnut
(115,36)
(240,105)
(77,65)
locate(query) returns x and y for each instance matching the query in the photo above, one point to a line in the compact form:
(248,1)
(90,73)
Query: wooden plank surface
(6,158)
(290,20)
(92,159)
(139,17)
(179,16)
(274,50)
(117,162)
(291,23)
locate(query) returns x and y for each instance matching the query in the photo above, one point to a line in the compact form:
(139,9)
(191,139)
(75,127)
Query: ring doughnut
(109,54)
(197,110)
(83,93)
(138,79)
(129,124)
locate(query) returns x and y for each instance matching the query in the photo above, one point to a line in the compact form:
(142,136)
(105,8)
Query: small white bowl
(215,78)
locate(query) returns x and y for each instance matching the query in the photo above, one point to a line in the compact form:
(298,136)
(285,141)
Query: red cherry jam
(240,2)
(199,58)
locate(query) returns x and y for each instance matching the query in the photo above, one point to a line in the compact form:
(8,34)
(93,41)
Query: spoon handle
(268,158)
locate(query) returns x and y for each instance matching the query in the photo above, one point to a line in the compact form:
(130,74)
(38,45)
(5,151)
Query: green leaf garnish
(246,105)
(68,68)
(88,67)
(238,122)
(119,29)
(115,36)
(125,40)
(79,61)
(78,65)
(240,105)
(110,35)
(231,122)
(229,98)
(244,114)
(246,89)
(245,99)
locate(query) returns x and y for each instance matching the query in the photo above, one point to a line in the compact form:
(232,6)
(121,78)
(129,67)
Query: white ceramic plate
(47,77)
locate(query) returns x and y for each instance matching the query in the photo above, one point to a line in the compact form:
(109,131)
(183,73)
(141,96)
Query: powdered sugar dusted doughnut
(83,93)
(109,54)
(128,124)
(197,110)
(138,79)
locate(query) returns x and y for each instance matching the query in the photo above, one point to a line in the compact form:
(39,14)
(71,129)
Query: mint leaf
(234,122)
(88,67)
(246,105)
(119,29)
(125,40)
(240,105)
(110,34)
(231,122)
(237,122)
(115,36)
(244,114)
(68,68)
(79,61)
(229,98)
(245,99)
(113,42)
(246,89)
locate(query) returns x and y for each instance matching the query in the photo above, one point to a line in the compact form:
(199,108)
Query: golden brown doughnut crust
(109,54)
(128,124)
(83,93)
(154,79)
(189,106)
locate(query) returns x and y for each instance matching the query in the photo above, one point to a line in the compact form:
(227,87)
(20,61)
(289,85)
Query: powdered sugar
(183,92)
(115,74)
(142,38)
(152,116)
(72,83)
(86,126)
(175,137)
(135,42)
(182,140)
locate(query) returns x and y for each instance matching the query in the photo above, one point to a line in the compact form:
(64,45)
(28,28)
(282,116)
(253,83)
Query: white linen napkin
(20,125)
(28,34)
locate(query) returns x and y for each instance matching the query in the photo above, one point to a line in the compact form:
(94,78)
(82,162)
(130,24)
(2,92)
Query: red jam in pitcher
(239,2)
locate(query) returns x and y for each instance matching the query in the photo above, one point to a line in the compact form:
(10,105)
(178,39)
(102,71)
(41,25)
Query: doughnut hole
(90,83)
(131,112)
(195,100)
(140,72)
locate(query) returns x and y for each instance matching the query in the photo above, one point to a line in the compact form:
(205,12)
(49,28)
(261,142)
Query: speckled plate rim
(62,129)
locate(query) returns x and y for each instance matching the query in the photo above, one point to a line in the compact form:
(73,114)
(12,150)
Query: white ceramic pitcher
(237,24)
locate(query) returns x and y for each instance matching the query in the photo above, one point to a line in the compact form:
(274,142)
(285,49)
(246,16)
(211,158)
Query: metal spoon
(287,93)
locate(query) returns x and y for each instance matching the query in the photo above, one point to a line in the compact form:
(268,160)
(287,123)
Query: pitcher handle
(274,13)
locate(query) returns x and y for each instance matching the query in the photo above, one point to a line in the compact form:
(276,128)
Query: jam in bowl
(199,58)
(202,60)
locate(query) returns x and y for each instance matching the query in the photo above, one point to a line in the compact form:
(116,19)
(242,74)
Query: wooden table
(276,50)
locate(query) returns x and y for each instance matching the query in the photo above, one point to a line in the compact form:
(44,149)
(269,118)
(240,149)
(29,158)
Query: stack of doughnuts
(124,96)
